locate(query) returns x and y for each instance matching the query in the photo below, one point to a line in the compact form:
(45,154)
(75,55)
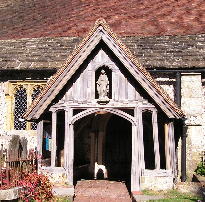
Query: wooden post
(69,145)
(53,150)
(156,140)
(138,164)
(39,139)
(135,174)
(100,147)
(92,152)
(167,154)
(172,147)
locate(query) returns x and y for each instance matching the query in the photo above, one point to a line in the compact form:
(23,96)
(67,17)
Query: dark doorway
(82,148)
(118,149)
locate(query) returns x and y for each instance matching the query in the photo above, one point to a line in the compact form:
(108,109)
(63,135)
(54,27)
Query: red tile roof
(43,18)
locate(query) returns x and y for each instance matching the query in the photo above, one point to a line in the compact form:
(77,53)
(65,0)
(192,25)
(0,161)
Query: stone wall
(193,105)
(6,135)
(2,109)
(157,180)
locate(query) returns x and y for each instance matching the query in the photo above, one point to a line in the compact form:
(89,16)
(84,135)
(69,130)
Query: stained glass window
(20,108)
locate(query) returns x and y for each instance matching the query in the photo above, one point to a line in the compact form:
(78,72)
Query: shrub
(200,170)
(36,187)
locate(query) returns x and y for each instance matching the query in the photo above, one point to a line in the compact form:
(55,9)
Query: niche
(107,83)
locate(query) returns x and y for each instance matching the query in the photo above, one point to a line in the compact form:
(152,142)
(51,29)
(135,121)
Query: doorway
(103,140)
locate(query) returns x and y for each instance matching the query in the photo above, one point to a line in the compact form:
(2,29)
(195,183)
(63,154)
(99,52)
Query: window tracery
(36,91)
(19,95)
(20,108)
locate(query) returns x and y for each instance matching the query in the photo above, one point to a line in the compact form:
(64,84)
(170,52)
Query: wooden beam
(167,154)
(53,149)
(39,139)
(69,145)
(172,147)
(135,168)
(156,140)
(138,164)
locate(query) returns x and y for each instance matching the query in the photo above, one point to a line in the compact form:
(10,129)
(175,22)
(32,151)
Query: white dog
(99,170)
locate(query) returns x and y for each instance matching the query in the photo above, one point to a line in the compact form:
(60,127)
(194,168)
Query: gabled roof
(101,31)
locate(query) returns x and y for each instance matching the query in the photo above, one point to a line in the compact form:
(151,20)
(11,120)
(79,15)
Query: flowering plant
(35,187)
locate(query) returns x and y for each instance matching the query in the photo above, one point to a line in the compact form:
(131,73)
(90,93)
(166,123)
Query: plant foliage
(36,187)
(200,170)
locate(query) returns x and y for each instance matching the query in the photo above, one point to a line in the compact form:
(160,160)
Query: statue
(103,86)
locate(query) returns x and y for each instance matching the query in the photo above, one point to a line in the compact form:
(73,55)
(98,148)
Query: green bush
(200,170)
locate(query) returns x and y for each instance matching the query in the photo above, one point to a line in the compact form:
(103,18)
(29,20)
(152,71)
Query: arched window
(36,91)
(20,108)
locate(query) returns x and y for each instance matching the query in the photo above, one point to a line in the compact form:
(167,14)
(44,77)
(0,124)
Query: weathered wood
(92,151)
(140,139)
(101,135)
(138,164)
(172,147)
(40,137)
(69,145)
(135,170)
(54,147)
(155,138)
(167,154)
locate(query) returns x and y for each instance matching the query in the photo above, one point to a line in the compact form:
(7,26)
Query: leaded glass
(20,108)
(36,92)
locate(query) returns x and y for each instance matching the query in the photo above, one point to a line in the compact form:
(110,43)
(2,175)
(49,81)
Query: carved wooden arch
(106,64)
(113,111)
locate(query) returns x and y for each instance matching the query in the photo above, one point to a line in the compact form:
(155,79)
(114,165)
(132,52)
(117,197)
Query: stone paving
(146,198)
(101,191)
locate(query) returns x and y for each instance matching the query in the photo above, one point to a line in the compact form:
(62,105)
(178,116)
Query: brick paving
(101,191)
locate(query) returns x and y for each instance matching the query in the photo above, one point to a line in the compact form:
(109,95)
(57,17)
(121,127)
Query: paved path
(101,191)
(146,198)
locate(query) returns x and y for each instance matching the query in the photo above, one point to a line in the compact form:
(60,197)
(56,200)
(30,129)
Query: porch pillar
(39,139)
(39,136)
(172,147)
(92,152)
(138,164)
(69,145)
(156,140)
(135,171)
(53,149)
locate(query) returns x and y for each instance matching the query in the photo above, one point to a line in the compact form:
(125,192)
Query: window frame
(10,92)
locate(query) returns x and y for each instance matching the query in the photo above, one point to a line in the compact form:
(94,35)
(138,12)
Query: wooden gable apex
(101,31)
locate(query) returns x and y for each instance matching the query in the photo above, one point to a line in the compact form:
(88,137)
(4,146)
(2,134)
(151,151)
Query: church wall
(6,121)
(193,105)
(2,108)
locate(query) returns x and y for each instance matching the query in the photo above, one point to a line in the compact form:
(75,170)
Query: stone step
(101,190)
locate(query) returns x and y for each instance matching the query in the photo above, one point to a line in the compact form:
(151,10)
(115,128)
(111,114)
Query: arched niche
(108,73)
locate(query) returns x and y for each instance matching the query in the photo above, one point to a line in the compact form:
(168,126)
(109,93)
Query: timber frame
(118,104)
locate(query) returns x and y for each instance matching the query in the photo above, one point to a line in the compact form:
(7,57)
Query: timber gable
(101,33)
